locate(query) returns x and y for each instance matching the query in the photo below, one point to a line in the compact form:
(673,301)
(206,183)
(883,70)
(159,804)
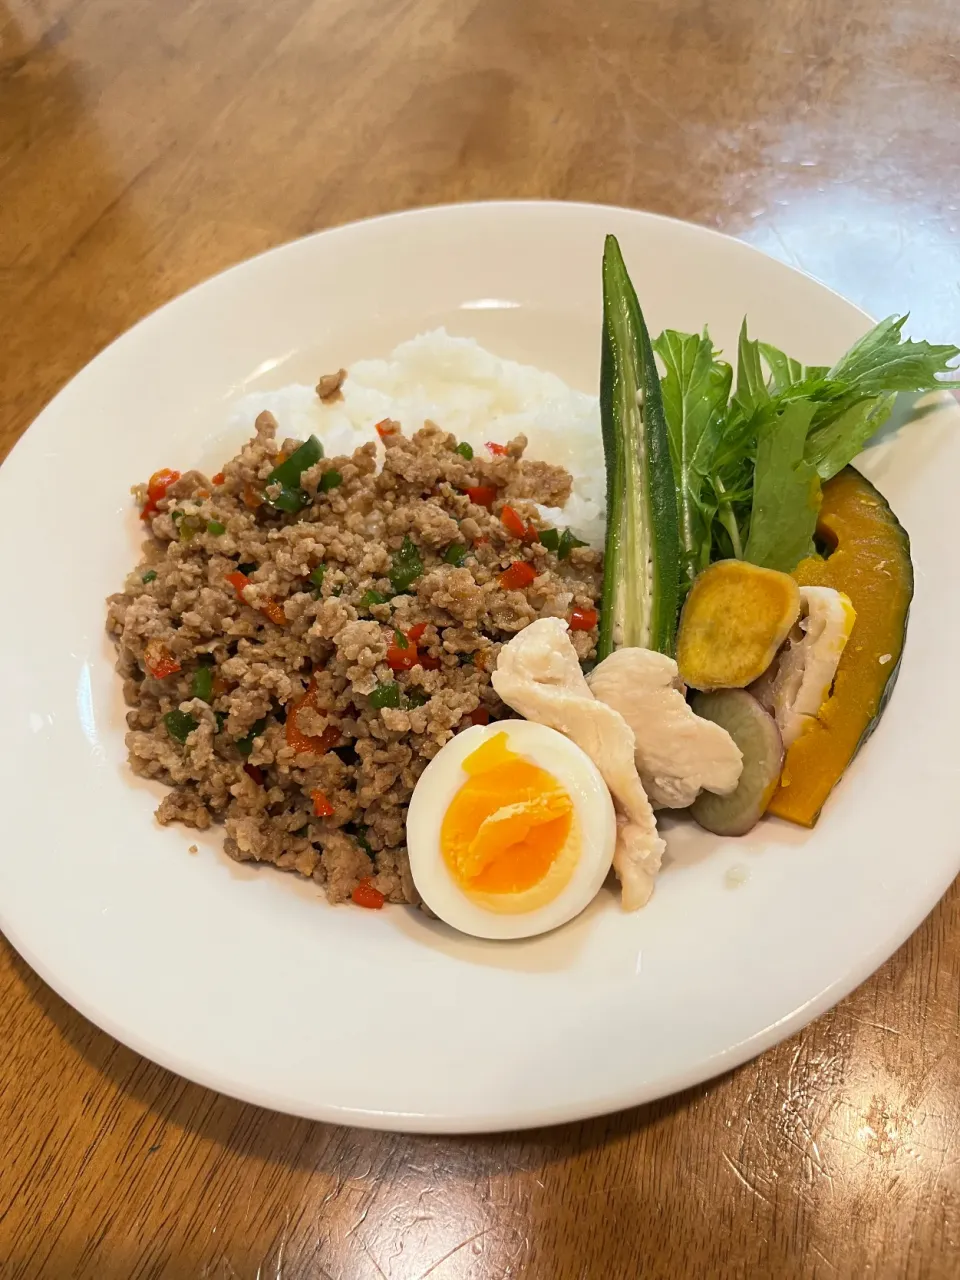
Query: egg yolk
(510,830)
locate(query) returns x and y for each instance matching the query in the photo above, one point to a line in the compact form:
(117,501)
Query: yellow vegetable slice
(735,618)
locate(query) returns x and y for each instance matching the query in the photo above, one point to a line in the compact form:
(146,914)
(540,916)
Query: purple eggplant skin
(756,734)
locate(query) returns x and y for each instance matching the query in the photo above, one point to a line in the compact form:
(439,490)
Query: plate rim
(494,1121)
(404,214)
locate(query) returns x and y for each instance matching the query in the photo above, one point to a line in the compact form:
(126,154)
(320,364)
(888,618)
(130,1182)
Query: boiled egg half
(510,830)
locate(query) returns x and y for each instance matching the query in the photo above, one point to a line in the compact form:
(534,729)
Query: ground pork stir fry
(290,672)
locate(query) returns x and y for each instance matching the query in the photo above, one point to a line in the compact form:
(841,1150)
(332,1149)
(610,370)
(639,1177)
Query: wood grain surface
(144,145)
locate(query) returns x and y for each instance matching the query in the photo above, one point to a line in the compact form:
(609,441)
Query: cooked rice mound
(315,699)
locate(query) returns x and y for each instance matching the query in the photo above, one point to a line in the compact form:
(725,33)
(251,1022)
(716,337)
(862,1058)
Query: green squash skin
(904,538)
(619,298)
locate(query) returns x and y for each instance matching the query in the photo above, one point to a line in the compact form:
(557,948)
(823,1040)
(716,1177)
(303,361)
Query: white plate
(245,980)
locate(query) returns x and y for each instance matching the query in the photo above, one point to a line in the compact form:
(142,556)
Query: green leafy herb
(465,450)
(221,718)
(179,725)
(751,392)
(330,480)
(401,640)
(416,698)
(838,440)
(385,695)
(216,528)
(785,372)
(560,541)
(883,360)
(567,543)
(149,576)
(317,576)
(245,745)
(854,398)
(696,387)
(455,554)
(201,686)
(291,497)
(746,468)
(407,566)
(371,597)
(786,491)
(359,833)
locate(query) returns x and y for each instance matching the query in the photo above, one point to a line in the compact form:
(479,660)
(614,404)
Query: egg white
(443,778)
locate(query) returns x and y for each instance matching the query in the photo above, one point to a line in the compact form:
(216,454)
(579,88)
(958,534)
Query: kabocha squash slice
(734,620)
(871,563)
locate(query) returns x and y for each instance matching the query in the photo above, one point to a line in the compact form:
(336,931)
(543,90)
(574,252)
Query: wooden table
(147,144)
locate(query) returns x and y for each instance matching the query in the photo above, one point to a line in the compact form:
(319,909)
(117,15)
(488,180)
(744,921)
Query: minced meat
(292,704)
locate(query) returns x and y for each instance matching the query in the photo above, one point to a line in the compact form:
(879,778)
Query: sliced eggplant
(641,579)
(756,734)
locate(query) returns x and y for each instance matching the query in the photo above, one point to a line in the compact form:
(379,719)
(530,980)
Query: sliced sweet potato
(735,618)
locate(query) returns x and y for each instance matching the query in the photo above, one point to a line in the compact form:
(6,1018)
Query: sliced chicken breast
(678,754)
(799,680)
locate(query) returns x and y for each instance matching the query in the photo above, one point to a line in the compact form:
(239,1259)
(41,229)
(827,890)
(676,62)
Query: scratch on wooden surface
(742,1178)
(877,1026)
(366,1250)
(456,1249)
(823,1258)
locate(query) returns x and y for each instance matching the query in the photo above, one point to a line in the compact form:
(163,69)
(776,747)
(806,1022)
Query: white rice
(464,389)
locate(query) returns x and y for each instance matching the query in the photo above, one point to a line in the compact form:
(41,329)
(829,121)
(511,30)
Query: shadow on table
(177,1109)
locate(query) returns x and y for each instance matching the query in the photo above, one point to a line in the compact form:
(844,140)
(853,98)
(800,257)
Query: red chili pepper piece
(512,522)
(273,610)
(159,661)
(219,478)
(479,715)
(270,608)
(482,494)
(386,427)
(317,744)
(255,773)
(519,575)
(321,805)
(402,659)
(429,662)
(498,450)
(583,619)
(366,895)
(157,487)
(415,634)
